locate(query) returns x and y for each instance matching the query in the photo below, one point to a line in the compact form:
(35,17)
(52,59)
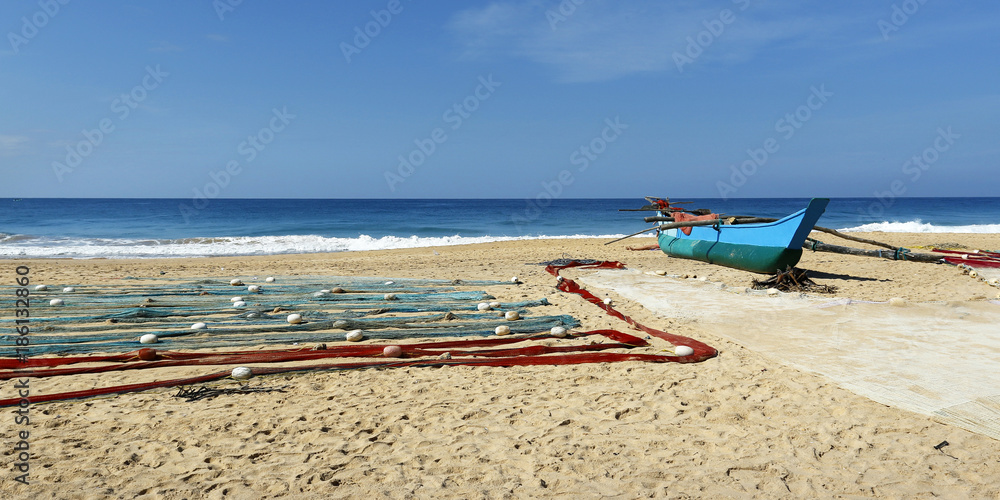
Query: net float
(242,373)
(683,350)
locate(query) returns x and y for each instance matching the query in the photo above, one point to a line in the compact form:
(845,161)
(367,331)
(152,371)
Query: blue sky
(509,99)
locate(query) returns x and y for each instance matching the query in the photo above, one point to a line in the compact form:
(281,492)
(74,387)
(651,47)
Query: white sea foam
(242,245)
(921,227)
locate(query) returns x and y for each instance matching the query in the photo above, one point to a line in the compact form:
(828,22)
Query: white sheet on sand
(935,358)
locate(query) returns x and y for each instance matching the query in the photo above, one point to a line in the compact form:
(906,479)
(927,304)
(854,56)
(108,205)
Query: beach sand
(740,425)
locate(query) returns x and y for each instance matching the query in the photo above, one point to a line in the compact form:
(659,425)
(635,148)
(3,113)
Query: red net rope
(971,254)
(150,358)
(701,352)
(973,258)
(271,356)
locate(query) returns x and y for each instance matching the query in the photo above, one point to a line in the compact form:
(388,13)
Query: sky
(504,99)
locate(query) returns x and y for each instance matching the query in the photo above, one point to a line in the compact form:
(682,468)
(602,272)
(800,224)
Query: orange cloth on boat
(683,217)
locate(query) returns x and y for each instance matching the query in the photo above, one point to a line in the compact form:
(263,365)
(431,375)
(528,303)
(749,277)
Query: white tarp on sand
(935,358)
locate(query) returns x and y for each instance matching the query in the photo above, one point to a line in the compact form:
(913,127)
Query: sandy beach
(741,425)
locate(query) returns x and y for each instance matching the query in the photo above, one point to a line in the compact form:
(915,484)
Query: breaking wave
(921,227)
(22,246)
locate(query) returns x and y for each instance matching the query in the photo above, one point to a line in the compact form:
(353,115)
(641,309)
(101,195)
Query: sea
(86,228)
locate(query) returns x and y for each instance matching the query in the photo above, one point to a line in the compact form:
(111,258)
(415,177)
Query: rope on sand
(701,351)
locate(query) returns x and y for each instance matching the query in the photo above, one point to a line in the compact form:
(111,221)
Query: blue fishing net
(111,318)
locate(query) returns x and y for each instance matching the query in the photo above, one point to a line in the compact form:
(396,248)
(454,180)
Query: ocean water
(139,228)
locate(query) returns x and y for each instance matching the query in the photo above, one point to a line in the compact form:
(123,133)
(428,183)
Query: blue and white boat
(760,248)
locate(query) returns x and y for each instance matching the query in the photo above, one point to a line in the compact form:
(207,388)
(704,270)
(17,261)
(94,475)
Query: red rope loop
(701,352)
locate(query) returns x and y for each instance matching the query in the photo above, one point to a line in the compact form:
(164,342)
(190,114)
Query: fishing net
(113,318)
(109,318)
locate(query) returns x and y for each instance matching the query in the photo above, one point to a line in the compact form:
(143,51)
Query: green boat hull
(756,259)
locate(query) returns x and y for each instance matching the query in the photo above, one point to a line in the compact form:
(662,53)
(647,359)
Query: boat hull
(757,259)
(760,248)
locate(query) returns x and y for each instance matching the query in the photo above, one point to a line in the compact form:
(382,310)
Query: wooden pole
(745,219)
(854,238)
(741,218)
(658,219)
(819,246)
(674,225)
(652,208)
(633,234)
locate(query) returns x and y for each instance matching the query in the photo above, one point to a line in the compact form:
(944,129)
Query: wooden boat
(760,248)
